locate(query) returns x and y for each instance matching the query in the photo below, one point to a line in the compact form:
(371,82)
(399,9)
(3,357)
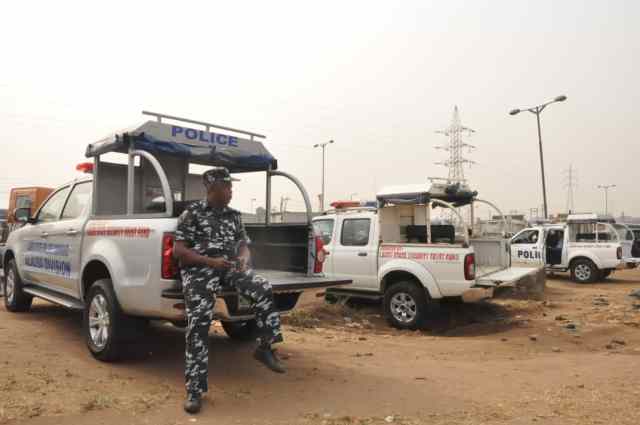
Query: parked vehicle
(391,254)
(629,239)
(103,243)
(586,247)
(19,197)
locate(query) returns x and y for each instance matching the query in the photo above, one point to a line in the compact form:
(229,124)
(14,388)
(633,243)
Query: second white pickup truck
(390,253)
(588,246)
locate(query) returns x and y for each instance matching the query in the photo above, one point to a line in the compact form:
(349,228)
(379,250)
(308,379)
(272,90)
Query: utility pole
(283,207)
(571,183)
(323,146)
(456,161)
(537,110)
(606,188)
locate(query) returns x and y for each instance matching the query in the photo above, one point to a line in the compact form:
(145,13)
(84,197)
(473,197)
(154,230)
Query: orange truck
(26,197)
(20,197)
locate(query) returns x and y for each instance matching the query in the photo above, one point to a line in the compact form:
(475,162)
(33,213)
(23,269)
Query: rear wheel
(405,305)
(241,331)
(584,271)
(15,299)
(104,323)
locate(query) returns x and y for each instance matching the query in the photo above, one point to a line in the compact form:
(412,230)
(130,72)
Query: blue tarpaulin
(196,146)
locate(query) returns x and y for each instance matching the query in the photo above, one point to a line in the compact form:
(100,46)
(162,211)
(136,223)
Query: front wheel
(241,331)
(584,271)
(103,322)
(405,305)
(15,299)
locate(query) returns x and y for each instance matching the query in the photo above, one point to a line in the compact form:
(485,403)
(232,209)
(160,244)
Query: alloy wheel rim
(10,286)
(583,272)
(403,307)
(99,321)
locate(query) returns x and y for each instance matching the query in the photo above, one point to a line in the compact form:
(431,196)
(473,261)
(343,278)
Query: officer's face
(219,194)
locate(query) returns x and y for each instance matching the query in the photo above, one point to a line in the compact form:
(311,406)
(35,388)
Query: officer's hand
(219,263)
(244,262)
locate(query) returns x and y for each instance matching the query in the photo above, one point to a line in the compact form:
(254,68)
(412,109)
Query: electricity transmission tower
(571,182)
(456,161)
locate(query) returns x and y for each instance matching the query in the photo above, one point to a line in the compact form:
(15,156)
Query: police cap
(217,174)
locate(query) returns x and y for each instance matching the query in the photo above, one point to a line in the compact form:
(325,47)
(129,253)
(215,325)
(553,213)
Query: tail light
(619,253)
(470,267)
(169,268)
(320,255)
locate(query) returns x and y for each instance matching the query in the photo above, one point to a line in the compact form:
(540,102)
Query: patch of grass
(99,402)
(301,319)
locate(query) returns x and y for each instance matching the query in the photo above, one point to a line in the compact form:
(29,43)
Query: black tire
(405,305)
(241,331)
(584,271)
(15,299)
(104,348)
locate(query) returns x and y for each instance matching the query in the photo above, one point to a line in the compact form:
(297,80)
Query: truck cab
(586,245)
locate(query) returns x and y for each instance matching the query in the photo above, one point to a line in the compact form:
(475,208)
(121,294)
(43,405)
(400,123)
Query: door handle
(44,234)
(362,254)
(72,232)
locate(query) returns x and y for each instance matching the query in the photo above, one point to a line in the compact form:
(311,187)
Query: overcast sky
(377,77)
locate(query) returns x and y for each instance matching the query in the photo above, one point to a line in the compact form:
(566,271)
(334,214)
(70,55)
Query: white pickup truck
(390,253)
(586,245)
(103,244)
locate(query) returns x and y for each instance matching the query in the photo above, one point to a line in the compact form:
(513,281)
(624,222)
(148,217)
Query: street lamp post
(537,110)
(606,188)
(323,146)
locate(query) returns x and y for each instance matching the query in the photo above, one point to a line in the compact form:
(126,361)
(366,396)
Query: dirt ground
(573,358)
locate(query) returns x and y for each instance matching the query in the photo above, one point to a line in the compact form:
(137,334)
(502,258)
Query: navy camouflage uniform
(216,232)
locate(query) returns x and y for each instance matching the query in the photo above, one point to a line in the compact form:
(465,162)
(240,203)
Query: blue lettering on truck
(529,255)
(204,136)
(40,255)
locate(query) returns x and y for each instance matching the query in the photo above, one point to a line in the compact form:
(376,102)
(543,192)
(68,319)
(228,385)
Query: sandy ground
(573,358)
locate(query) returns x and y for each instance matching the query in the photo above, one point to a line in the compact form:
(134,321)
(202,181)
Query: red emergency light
(85,167)
(345,204)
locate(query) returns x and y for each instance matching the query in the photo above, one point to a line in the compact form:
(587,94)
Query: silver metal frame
(504,220)
(207,125)
(454,209)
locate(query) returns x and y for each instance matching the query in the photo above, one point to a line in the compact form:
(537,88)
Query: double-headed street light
(537,110)
(323,146)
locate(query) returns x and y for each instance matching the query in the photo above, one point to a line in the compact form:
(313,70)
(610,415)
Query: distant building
(277,217)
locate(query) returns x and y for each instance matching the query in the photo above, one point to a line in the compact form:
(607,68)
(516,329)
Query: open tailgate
(280,282)
(506,277)
(291,282)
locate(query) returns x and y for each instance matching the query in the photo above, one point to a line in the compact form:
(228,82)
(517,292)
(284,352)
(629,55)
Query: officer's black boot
(265,355)
(193,404)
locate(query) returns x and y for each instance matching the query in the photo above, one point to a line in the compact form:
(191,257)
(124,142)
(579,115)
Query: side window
(355,232)
(529,236)
(324,229)
(50,211)
(78,201)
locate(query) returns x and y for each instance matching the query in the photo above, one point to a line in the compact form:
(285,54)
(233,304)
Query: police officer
(212,246)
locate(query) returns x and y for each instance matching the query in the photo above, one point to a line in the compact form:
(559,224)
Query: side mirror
(22,215)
